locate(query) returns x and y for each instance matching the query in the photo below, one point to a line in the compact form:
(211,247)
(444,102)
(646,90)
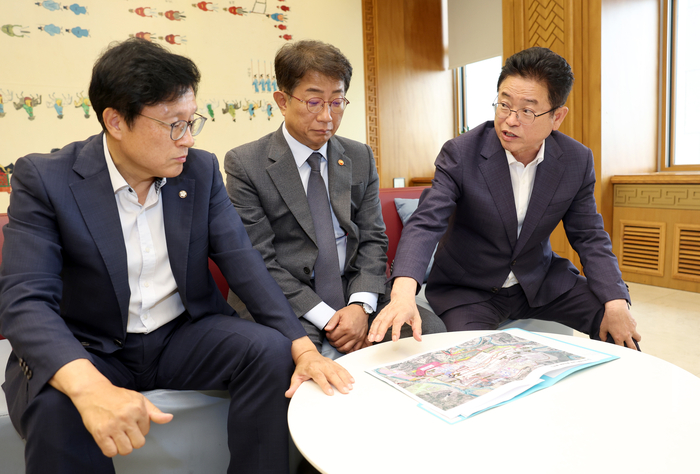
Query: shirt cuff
(365,297)
(319,315)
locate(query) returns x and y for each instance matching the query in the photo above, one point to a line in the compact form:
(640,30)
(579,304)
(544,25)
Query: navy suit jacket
(472,207)
(63,281)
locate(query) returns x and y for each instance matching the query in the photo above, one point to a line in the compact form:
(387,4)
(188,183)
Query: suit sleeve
(429,221)
(30,281)
(244,196)
(243,268)
(584,229)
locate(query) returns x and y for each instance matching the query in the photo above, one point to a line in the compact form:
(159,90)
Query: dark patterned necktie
(326,269)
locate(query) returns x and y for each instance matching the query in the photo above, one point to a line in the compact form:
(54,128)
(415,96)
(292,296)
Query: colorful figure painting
(144,12)
(230,108)
(2,104)
(77,9)
(237,11)
(28,104)
(173,15)
(84,103)
(206,6)
(79,32)
(17,31)
(5,172)
(51,29)
(49,5)
(176,39)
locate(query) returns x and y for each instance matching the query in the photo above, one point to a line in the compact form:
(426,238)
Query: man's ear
(282,101)
(559,115)
(114,123)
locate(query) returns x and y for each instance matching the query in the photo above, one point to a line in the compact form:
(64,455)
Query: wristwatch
(365,307)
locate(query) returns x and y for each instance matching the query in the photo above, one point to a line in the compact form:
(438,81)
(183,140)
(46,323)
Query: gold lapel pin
(183,194)
(341,162)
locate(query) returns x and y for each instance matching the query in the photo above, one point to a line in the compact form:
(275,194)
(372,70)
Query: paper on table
(486,371)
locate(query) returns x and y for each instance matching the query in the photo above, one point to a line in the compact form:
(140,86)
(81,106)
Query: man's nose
(187,139)
(325,114)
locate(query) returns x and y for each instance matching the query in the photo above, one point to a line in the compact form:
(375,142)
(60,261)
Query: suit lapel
(284,174)
(547,178)
(339,182)
(497,176)
(94,196)
(178,207)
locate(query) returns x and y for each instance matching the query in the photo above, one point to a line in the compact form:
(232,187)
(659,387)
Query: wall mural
(237,84)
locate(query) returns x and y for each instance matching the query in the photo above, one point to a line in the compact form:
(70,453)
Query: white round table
(637,413)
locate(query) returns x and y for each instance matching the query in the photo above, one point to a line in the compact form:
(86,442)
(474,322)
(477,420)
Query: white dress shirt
(320,314)
(523,180)
(155,299)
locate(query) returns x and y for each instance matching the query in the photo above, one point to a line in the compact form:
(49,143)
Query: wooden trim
(658,178)
(369,30)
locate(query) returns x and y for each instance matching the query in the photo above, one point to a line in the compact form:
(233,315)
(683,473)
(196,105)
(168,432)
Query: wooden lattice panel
(642,247)
(686,252)
(546,23)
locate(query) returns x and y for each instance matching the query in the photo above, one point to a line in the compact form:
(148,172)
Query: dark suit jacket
(266,190)
(64,284)
(471,202)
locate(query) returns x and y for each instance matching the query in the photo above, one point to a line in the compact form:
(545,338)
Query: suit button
(494,290)
(29,374)
(307,270)
(118,343)
(513,263)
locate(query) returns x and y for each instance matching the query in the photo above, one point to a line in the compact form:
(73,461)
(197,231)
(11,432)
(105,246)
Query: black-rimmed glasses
(178,129)
(316,104)
(525,116)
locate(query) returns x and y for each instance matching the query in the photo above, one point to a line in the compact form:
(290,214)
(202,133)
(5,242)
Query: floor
(669,323)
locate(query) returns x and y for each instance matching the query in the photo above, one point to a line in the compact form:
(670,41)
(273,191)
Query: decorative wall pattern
(667,196)
(546,24)
(369,33)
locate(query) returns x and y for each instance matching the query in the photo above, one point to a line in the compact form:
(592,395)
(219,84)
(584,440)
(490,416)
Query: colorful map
(450,378)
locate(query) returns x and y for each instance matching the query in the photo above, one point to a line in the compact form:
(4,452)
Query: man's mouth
(508,134)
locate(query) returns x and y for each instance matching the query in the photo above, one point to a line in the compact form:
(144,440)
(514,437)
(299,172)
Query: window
(475,92)
(680,84)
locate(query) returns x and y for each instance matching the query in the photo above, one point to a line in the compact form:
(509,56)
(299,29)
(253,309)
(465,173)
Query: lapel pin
(341,162)
(183,194)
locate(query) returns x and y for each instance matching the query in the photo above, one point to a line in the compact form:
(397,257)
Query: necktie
(326,269)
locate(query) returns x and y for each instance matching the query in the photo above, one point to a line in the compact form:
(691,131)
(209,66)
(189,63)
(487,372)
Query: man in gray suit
(268,181)
(498,193)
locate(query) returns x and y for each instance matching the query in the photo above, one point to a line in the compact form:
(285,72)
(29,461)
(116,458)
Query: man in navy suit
(105,288)
(498,193)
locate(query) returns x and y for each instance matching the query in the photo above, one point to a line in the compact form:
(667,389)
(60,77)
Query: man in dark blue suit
(498,193)
(105,288)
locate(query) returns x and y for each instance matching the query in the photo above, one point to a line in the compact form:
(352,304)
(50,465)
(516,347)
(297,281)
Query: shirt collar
(538,159)
(118,181)
(300,151)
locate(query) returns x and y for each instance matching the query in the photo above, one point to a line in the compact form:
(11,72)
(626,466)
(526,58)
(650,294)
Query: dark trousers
(251,361)
(578,308)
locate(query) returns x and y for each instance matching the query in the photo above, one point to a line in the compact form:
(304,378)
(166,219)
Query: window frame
(667,75)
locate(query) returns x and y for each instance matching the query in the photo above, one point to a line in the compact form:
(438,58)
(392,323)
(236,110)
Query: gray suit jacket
(263,183)
(471,202)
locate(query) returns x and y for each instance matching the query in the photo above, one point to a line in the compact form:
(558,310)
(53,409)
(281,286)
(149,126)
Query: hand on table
(118,419)
(619,323)
(347,329)
(310,365)
(400,310)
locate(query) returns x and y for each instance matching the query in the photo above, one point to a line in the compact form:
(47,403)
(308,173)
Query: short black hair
(542,65)
(294,60)
(136,73)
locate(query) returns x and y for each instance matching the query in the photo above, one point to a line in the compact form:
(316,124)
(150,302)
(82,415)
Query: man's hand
(619,323)
(118,419)
(312,365)
(402,309)
(347,329)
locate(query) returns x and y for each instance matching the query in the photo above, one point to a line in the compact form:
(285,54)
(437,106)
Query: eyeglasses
(524,116)
(178,129)
(316,104)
